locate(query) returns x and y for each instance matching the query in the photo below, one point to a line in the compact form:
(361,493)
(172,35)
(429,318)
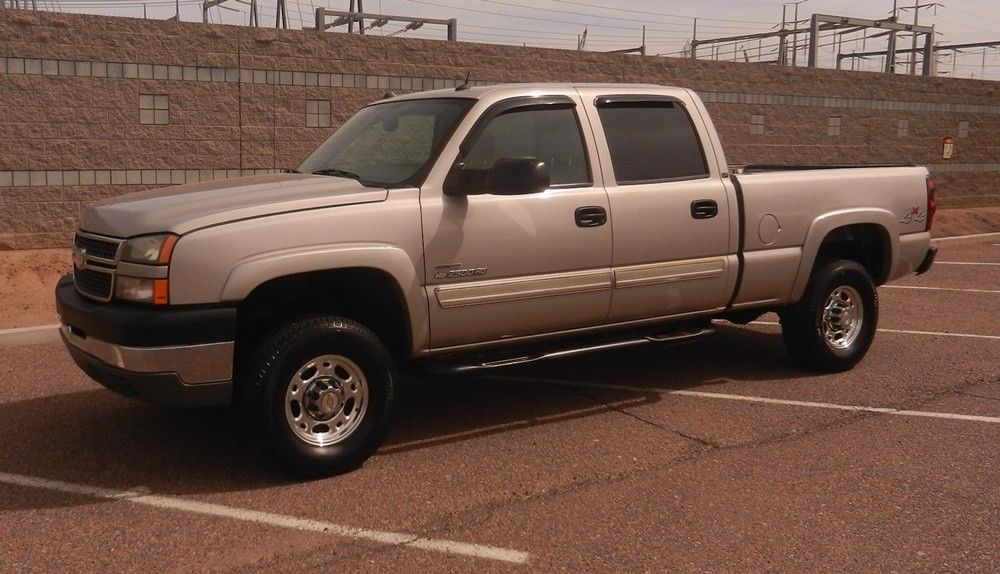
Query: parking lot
(714,456)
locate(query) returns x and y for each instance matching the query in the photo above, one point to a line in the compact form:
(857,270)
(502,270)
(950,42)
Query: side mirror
(508,176)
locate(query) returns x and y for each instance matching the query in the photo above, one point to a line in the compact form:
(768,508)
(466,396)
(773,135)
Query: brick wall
(70,88)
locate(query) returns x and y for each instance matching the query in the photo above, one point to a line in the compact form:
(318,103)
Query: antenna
(465,84)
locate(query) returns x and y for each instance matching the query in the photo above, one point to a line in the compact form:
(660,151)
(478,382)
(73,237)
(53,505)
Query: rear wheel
(833,325)
(320,395)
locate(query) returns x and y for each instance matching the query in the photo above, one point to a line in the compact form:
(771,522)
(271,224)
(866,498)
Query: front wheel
(833,325)
(320,395)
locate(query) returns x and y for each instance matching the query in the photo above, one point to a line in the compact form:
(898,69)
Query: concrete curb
(29,336)
(973,237)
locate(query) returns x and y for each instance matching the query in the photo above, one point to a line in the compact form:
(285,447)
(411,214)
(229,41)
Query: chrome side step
(683,334)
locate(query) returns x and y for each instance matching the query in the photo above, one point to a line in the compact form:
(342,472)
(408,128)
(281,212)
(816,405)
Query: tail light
(931,203)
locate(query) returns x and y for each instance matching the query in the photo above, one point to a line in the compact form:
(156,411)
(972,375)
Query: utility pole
(694,38)
(795,35)
(782,55)
(890,52)
(916,15)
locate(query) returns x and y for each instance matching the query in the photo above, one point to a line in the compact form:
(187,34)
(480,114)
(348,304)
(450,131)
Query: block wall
(71,131)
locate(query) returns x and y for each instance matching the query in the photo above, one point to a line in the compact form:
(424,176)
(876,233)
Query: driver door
(507,266)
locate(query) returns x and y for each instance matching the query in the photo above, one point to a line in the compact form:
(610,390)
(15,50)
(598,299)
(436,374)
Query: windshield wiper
(337,172)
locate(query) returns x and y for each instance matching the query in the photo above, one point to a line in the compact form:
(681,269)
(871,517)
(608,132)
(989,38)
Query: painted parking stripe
(905,332)
(271,519)
(764,400)
(922,288)
(967,263)
(29,335)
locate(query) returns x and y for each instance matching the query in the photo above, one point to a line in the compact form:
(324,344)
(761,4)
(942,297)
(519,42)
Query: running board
(499,361)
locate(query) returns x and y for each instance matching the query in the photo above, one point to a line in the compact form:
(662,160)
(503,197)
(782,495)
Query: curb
(29,336)
(995,235)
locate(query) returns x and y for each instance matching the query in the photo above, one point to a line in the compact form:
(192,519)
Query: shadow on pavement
(97,438)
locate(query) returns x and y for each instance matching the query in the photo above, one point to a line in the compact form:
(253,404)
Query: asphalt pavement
(715,456)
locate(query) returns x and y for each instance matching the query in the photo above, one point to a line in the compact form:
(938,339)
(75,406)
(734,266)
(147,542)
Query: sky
(618,25)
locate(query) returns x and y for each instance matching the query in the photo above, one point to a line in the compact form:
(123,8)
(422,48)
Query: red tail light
(931,203)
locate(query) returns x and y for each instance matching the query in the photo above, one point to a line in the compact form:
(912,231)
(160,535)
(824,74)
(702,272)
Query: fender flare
(824,224)
(254,271)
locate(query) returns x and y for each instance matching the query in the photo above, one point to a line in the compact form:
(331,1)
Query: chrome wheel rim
(326,400)
(843,315)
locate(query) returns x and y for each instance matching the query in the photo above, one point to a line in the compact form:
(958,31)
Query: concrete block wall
(70,87)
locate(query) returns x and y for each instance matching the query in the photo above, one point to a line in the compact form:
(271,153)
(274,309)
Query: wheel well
(368,296)
(866,243)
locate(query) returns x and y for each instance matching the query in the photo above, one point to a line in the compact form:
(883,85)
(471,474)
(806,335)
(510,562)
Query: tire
(319,395)
(833,325)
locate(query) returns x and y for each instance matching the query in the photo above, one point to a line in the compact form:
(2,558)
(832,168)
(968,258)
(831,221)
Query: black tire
(826,346)
(284,358)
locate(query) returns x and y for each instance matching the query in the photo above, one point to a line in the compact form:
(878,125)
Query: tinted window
(549,134)
(651,141)
(390,144)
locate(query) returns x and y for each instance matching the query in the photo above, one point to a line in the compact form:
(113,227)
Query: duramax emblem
(451,271)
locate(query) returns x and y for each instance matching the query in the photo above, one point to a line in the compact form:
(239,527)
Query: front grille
(100,248)
(94,283)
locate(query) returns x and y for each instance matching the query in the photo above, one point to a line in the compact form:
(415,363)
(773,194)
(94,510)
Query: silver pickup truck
(466,229)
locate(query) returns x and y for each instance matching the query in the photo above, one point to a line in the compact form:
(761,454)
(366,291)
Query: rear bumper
(178,357)
(928,260)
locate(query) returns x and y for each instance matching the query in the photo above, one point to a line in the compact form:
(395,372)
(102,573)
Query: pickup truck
(473,228)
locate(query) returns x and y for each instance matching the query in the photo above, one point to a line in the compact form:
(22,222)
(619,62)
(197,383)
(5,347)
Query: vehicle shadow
(97,438)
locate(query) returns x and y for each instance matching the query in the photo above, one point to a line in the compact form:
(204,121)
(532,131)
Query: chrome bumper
(193,364)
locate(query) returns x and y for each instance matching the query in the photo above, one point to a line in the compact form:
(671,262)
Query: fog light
(142,290)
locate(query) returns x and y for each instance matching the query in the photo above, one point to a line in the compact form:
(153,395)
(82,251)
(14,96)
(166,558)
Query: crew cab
(468,229)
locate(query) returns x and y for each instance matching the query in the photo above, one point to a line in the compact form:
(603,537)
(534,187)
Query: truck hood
(184,208)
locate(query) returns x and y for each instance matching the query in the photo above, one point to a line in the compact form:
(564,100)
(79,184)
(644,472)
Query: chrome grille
(95,259)
(96,247)
(94,282)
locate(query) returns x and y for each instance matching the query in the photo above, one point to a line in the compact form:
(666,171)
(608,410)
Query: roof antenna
(465,85)
(388,94)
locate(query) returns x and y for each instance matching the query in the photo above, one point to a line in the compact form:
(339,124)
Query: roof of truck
(477,92)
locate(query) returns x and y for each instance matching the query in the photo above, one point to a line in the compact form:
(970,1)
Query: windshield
(390,144)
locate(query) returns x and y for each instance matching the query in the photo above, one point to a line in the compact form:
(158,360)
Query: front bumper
(171,356)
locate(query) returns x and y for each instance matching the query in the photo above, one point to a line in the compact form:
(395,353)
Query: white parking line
(754,399)
(905,331)
(279,520)
(967,263)
(29,335)
(940,289)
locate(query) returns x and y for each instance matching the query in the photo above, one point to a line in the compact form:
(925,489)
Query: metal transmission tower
(916,17)
(953,48)
(280,17)
(824,22)
(349,17)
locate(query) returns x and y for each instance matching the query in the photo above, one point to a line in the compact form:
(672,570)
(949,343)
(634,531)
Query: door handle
(591,216)
(704,209)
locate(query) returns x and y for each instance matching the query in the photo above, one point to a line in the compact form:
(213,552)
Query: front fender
(256,270)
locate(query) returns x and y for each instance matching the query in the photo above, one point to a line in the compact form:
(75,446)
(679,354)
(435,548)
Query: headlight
(152,249)
(142,290)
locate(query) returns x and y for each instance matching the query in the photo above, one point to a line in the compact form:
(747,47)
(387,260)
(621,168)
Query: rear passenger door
(672,251)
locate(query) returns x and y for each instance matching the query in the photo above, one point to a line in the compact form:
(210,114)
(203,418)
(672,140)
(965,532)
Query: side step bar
(497,360)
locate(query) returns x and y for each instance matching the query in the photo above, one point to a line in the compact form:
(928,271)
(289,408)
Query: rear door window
(651,140)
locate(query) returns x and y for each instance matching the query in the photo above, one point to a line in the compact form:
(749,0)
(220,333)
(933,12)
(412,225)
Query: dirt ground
(29,276)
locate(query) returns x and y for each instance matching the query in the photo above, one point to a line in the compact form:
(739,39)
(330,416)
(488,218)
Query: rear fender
(823,225)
